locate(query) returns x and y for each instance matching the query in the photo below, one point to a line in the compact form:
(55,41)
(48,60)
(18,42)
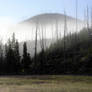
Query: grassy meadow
(46,83)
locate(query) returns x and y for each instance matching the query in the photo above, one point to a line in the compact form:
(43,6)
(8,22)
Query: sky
(19,10)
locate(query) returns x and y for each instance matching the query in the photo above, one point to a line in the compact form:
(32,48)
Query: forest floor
(46,83)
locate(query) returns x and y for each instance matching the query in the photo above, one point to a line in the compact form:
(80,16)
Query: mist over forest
(48,43)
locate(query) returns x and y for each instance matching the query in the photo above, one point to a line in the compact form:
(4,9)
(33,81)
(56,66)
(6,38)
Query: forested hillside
(69,55)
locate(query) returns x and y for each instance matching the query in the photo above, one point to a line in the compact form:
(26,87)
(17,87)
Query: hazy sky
(23,9)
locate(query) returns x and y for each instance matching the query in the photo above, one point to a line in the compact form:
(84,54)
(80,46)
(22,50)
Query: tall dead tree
(91,18)
(42,38)
(85,24)
(65,40)
(45,36)
(87,18)
(76,15)
(42,44)
(88,26)
(65,31)
(52,32)
(76,39)
(57,38)
(35,54)
(76,36)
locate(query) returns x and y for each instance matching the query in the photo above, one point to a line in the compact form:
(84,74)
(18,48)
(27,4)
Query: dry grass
(46,84)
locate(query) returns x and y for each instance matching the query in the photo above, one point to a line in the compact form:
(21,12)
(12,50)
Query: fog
(26,31)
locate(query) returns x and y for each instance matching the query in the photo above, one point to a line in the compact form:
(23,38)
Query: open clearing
(49,83)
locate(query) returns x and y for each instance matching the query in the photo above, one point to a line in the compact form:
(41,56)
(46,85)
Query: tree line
(10,60)
(74,58)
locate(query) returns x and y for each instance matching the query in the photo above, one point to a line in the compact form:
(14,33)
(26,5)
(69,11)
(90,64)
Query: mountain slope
(46,23)
(49,18)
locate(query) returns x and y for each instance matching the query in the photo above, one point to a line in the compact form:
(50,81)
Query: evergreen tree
(26,61)
(12,56)
(1,58)
(10,59)
(17,57)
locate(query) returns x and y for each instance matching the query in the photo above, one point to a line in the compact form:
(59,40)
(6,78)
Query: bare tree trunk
(87,18)
(85,24)
(42,44)
(76,15)
(41,35)
(36,47)
(52,32)
(45,44)
(76,33)
(65,30)
(89,32)
(57,30)
(91,17)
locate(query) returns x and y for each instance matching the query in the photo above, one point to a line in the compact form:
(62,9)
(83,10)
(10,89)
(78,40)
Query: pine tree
(17,57)
(1,58)
(12,56)
(26,61)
